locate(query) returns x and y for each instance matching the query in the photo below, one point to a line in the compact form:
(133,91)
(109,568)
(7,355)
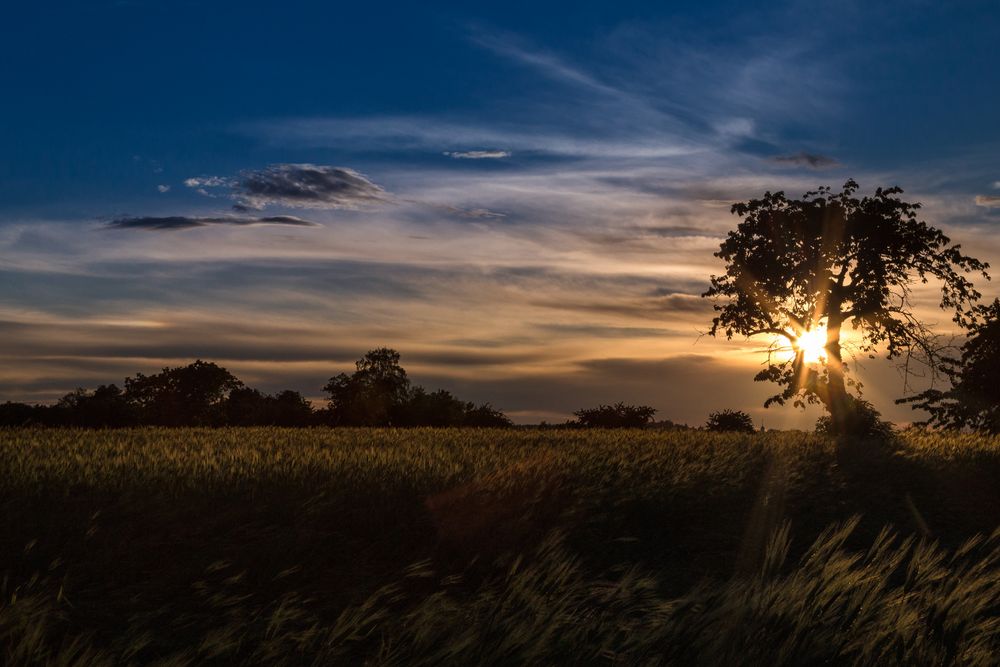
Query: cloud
(177,222)
(320,187)
(477,155)
(207,182)
(604,331)
(653,307)
(471,213)
(810,160)
(988,201)
(306,186)
(163,188)
(537,135)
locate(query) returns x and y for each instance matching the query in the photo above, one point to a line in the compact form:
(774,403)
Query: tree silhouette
(245,407)
(371,396)
(618,415)
(485,415)
(437,408)
(861,419)
(290,408)
(795,266)
(379,393)
(729,421)
(250,407)
(973,401)
(190,395)
(105,407)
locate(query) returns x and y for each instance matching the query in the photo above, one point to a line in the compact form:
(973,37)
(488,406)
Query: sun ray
(812,344)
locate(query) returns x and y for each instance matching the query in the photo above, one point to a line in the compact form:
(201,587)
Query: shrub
(730,421)
(618,415)
(861,420)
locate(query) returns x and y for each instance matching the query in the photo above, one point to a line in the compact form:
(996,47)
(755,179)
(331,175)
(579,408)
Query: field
(469,547)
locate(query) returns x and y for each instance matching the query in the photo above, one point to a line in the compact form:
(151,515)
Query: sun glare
(812,343)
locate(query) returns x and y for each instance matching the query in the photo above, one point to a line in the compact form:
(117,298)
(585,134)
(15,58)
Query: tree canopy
(379,393)
(371,396)
(730,421)
(618,415)
(189,395)
(798,267)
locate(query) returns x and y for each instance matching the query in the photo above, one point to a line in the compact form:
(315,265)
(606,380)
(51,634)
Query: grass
(437,547)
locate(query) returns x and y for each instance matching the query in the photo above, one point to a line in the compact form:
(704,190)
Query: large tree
(799,267)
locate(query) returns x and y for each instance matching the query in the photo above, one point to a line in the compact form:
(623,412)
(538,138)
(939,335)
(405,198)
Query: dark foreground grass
(463,547)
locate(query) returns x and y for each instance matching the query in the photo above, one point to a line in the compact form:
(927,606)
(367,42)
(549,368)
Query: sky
(523,198)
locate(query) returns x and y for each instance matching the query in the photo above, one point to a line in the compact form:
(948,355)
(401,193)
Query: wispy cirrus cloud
(401,133)
(988,201)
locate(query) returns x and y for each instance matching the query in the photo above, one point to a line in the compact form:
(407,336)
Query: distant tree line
(202,393)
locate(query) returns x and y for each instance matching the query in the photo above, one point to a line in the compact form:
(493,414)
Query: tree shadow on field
(927,494)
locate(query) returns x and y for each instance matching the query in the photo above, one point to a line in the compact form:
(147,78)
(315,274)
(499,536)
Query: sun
(812,343)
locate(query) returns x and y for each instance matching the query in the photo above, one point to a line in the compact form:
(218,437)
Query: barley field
(276,546)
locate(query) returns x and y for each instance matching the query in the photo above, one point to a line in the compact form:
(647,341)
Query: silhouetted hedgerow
(202,393)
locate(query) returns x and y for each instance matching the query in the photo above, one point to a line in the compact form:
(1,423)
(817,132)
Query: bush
(730,421)
(862,420)
(618,415)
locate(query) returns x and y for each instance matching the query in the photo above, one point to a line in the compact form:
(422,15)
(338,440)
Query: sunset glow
(527,211)
(812,344)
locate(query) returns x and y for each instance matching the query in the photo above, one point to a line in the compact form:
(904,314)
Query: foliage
(973,400)
(829,259)
(251,407)
(371,396)
(485,415)
(204,394)
(105,407)
(735,421)
(861,420)
(379,393)
(427,546)
(190,395)
(618,415)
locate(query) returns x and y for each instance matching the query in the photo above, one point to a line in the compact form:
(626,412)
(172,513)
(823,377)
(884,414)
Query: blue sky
(523,198)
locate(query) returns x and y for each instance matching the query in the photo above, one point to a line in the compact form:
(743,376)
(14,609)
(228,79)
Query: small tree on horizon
(795,266)
(730,421)
(374,394)
(618,415)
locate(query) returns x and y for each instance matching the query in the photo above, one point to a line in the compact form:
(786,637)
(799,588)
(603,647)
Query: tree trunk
(837,401)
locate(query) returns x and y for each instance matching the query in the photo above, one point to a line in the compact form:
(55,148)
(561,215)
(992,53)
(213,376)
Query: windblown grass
(437,547)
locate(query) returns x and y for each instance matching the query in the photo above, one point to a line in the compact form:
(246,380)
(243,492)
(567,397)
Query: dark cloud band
(178,222)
